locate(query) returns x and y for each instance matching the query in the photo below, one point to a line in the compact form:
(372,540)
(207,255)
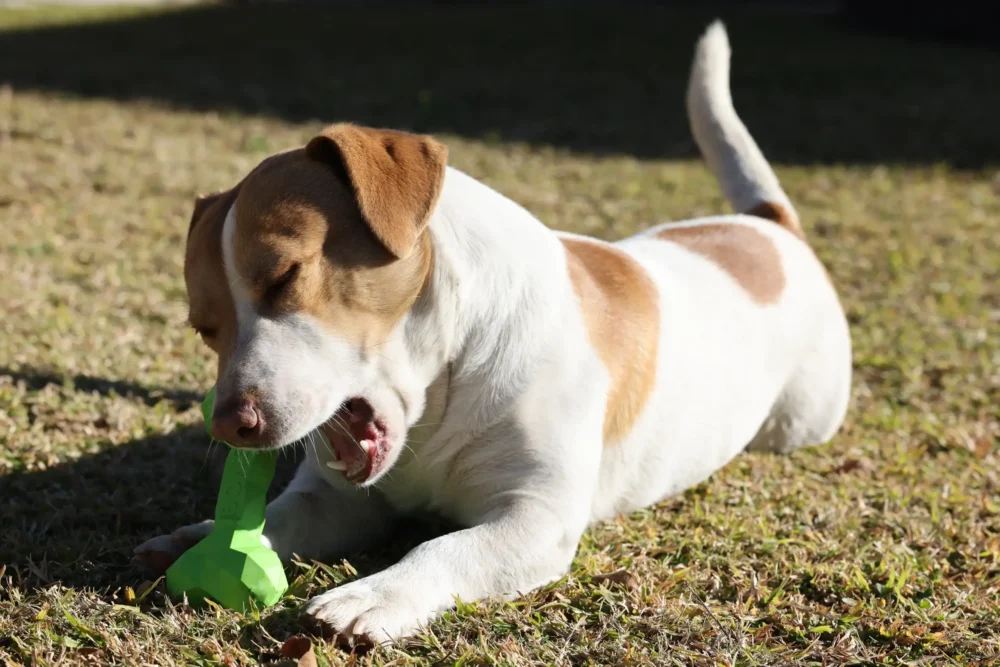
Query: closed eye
(275,289)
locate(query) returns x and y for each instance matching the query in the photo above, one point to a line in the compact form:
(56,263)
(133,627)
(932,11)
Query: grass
(881,548)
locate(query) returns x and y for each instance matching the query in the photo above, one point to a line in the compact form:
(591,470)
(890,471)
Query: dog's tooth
(337,464)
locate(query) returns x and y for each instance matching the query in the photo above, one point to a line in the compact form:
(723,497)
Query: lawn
(882,547)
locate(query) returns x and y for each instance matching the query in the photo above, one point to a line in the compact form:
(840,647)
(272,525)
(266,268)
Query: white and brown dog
(440,349)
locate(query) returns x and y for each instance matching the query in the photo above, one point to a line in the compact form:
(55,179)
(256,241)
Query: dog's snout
(239,423)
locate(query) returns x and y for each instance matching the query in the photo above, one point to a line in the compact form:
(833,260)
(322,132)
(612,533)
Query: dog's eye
(277,287)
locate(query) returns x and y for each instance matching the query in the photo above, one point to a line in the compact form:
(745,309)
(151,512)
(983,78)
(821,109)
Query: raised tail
(747,179)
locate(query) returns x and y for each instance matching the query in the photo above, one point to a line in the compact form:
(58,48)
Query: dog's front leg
(520,546)
(314,518)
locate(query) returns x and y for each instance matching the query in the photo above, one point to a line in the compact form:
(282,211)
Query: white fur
(731,153)
(278,356)
(515,454)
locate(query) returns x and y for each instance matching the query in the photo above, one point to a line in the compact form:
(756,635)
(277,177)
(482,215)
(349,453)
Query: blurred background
(881,121)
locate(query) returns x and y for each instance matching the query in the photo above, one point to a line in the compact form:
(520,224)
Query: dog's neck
(499,277)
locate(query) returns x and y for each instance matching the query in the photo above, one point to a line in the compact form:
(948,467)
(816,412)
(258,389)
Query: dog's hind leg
(812,406)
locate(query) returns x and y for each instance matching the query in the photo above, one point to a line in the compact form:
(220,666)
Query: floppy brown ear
(396,178)
(202,204)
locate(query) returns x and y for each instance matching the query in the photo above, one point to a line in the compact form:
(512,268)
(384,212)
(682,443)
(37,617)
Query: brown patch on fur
(303,245)
(620,307)
(747,255)
(779,214)
(396,177)
(211,310)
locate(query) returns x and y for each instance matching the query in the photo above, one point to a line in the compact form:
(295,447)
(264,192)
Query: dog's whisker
(346,430)
(315,448)
(385,342)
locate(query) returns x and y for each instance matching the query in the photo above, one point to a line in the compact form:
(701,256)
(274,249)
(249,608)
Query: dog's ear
(396,178)
(201,204)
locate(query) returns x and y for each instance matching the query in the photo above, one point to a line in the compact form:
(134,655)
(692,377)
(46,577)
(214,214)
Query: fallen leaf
(993,547)
(91,655)
(981,447)
(621,579)
(851,465)
(297,652)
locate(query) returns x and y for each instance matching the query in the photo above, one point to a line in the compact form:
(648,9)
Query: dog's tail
(747,179)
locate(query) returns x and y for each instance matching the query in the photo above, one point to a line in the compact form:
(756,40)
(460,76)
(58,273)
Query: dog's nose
(239,423)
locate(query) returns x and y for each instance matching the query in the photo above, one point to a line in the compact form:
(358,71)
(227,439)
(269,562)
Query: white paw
(367,611)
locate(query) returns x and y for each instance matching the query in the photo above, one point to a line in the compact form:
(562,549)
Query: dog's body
(519,382)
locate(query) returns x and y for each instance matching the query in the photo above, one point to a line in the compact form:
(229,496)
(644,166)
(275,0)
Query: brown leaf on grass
(851,465)
(978,437)
(90,655)
(993,547)
(297,651)
(981,447)
(619,579)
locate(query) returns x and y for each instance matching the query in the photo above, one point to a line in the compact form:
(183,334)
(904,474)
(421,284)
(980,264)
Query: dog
(437,348)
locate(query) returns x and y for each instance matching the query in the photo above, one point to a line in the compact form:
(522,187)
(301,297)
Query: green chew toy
(232,564)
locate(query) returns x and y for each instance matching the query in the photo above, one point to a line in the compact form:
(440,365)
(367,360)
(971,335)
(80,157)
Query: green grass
(880,548)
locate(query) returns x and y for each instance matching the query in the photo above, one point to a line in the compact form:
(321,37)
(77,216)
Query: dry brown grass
(881,548)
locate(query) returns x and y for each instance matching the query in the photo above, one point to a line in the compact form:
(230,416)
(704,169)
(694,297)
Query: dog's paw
(159,553)
(366,612)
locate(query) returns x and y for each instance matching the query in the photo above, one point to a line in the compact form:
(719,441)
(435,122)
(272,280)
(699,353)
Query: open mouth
(358,439)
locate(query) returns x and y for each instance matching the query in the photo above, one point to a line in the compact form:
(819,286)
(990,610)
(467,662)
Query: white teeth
(368,446)
(337,464)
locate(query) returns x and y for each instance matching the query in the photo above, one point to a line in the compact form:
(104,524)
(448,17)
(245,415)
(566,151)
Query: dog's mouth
(359,440)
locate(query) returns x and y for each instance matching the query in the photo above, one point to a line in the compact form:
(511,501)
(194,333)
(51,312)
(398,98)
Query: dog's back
(752,346)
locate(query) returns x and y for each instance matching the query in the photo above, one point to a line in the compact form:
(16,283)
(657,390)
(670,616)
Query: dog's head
(299,274)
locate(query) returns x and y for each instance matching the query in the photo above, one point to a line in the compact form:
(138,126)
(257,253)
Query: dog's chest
(424,481)
(415,484)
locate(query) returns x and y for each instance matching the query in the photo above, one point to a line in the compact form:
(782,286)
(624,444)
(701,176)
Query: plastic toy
(232,565)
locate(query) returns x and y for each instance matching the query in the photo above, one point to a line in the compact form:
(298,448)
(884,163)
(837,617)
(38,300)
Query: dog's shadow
(77,522)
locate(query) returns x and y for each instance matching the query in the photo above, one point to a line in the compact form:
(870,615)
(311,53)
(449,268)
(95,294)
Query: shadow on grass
(77,522)
(594,79)
(36,379)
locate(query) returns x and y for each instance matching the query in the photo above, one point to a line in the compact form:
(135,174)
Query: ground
(882,547)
